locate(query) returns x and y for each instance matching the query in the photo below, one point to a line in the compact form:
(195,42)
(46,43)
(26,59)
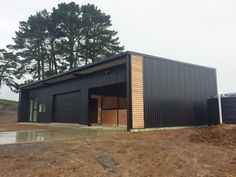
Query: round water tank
(228,104)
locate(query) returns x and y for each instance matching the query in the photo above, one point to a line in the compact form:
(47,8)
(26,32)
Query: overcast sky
(196,31)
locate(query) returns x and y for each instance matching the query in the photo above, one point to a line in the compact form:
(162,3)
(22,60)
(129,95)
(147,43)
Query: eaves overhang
(81,71)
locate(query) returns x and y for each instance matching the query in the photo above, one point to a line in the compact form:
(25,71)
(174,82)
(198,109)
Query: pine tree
(31,45)
(67,18)
(50,43)
(8,68)
(98,40)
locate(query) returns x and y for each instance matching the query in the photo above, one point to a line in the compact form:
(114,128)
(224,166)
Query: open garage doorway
(108,105)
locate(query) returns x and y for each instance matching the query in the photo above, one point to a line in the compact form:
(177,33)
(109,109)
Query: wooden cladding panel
(137,91)
(112,115)
(109,117)
(122,116)
(122,102)
(109,102)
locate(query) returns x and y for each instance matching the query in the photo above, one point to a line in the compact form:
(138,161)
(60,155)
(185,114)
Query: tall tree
(67,18)
(50,43)
(98,40)
(31,45)
(8,67)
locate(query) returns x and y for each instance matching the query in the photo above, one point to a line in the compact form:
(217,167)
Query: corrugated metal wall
(213,111)
(128,90)
(229,109)
(45,94)
(228,105)
(66,107)
(23,106)
(175,93)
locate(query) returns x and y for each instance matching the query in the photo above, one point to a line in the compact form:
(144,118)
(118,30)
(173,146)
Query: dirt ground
(157,153)
(169,153)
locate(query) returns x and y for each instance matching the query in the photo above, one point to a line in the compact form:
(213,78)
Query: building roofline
(122,54)
(169,60)
(79,68)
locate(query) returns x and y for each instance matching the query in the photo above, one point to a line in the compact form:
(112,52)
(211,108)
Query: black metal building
(228,107)
(129,89)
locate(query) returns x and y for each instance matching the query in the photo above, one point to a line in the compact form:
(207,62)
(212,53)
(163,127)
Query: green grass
(8,102)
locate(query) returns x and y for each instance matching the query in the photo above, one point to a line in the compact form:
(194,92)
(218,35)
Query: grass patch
(8,102)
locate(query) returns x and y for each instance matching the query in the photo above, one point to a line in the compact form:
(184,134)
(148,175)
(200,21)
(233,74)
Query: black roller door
(66,107)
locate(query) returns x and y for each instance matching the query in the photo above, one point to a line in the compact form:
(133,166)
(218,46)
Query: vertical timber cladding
(137,91)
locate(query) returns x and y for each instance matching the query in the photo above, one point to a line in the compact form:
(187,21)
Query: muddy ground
(156,153)
(178,153)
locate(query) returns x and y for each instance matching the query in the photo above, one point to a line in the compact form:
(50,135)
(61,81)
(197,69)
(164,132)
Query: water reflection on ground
(10,137)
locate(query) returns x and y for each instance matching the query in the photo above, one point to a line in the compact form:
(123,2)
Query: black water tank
(228,104)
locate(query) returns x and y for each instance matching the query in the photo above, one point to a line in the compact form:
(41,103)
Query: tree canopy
(49,43)
(8,67)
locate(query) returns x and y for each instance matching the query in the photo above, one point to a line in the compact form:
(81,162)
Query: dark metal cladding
(46,93)
(213,111)
(229,109)
(129,99)
(66,107)
(23,106)
(176,93)
(228,105)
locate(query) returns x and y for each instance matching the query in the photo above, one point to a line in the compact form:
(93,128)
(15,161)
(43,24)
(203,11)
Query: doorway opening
(108,105)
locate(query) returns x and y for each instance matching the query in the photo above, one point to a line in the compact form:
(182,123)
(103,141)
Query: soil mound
(217,135)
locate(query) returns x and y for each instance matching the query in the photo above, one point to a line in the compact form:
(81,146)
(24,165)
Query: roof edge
(107,59)
(167,59)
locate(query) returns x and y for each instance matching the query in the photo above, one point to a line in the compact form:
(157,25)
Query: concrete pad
(12,137)
(135,130)
(73,125)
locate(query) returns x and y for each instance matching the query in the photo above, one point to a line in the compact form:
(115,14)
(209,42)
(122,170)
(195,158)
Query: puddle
(45,135)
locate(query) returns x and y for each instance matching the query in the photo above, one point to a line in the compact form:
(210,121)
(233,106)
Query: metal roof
(77,71)
(82,70)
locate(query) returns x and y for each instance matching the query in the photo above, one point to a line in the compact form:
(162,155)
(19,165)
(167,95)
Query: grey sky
(196,31)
